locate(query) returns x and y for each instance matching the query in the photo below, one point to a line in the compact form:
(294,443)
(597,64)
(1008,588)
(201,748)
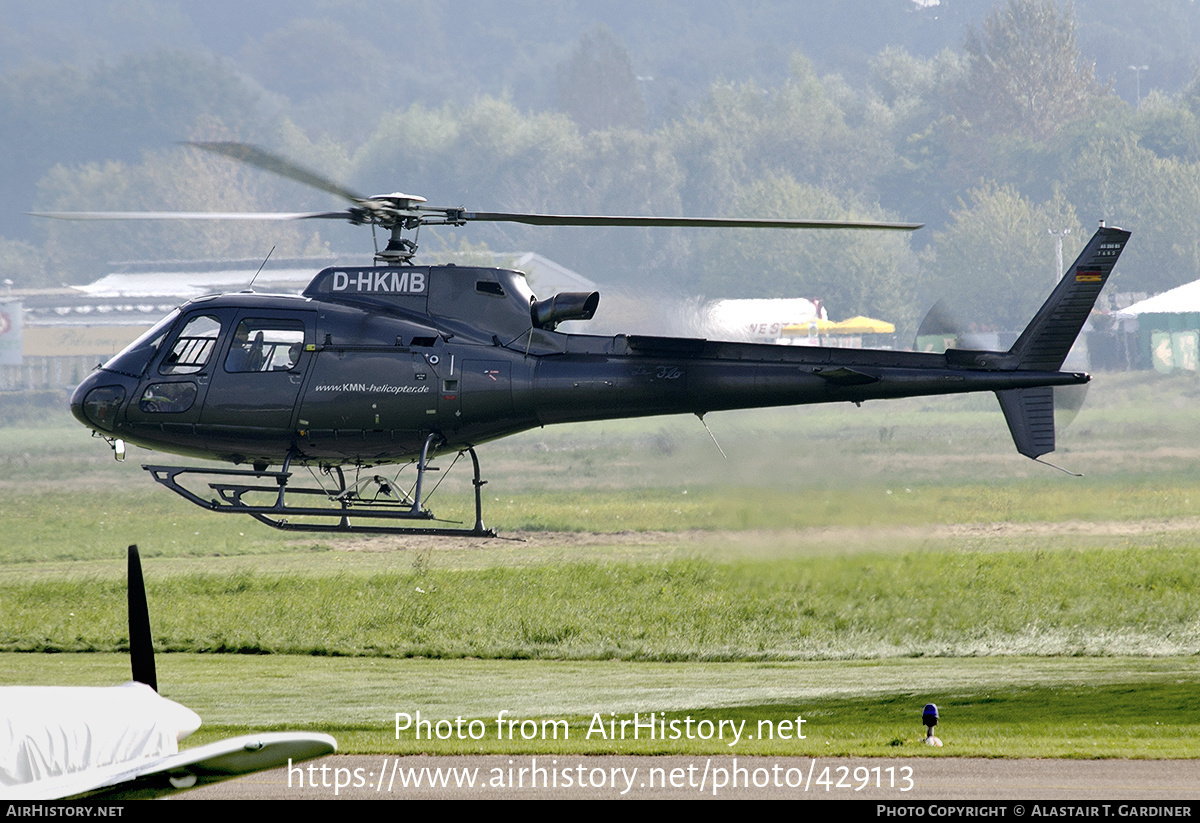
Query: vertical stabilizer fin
(141,645)
(1044,344)
(1030,417)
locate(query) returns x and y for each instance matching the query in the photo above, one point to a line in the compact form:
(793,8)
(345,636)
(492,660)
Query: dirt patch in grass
(530,539)
(850,535)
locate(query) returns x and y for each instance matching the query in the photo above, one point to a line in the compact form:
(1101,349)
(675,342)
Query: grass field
(990,706)
(847,565)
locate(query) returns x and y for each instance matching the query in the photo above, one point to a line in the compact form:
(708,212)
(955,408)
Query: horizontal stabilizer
(1030,417)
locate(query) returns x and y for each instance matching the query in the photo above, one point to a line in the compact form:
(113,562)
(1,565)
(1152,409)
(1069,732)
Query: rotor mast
(399,213)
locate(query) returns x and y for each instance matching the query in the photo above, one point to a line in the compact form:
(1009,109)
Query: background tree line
(990,121)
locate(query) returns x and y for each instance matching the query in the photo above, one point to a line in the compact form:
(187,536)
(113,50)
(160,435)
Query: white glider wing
(62,741)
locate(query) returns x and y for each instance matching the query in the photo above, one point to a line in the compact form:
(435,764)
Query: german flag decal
(1088,276)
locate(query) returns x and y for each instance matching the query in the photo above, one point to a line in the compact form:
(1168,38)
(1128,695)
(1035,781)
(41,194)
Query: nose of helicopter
(96,401)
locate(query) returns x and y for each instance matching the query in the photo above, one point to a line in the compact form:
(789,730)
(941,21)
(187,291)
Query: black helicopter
(396,362)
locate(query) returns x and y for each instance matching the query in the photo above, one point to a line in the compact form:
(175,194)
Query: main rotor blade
(254,156)
(193,215)
(698,222)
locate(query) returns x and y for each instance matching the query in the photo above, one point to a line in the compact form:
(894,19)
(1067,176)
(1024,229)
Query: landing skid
(232,487)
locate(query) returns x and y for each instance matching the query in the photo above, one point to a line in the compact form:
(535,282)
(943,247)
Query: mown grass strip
(990,707)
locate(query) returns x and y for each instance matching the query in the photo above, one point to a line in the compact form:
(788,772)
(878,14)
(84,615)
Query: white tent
(1180,300)
(1169,327)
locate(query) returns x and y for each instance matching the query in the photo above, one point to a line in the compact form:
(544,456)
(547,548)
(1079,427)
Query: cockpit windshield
(134,358)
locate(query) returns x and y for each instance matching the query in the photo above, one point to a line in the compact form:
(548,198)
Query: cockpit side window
(193,347)
(265,345)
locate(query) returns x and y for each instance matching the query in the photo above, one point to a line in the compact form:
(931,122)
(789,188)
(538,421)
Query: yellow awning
(863,325)
(855,325)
